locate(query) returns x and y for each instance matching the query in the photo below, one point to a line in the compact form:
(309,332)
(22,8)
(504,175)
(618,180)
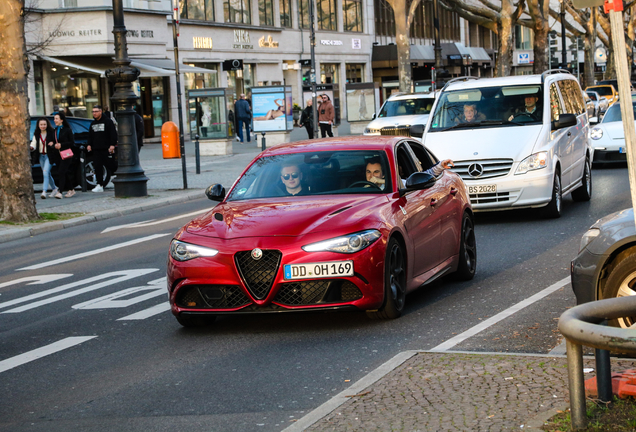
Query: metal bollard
(83,168)
(603,372)
(576,384)
(197,155)
(263,145)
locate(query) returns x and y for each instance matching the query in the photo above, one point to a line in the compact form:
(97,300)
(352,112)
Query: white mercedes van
(519,141)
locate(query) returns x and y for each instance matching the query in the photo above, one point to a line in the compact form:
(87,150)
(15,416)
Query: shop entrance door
(154,108)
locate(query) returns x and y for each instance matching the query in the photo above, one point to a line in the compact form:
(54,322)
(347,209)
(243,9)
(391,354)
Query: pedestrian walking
(307,119)
(139,129)
(243,115)
(60,156)
(41,145)
(326,116)
(102,139)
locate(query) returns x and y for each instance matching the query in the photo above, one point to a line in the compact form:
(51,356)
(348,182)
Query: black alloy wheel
(394,283)
(467,250)
(553,209)
(584,192)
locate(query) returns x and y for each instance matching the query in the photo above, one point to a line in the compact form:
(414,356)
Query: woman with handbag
(63,153)
(42,145)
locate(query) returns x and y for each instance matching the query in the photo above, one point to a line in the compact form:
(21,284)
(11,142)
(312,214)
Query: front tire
(467,251)
(394,283)
(584,192)
(553,209)
(622,283)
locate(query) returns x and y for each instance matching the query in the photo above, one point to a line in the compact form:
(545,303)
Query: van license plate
(319,270)
(482,189)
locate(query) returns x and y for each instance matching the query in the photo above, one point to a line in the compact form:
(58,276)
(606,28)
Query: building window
(72,93)
(303,13)
(285,13)
(524,38)
(329,73)
(352,12)
(240,81)
(384,18)
(39,88)
(195,80)
(355,73)
(326,14)
(266,12)
(237,11)
(197,9)
(423,27)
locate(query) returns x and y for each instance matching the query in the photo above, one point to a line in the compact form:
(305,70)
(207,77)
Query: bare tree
(17,200)
(539,12)
(402,42)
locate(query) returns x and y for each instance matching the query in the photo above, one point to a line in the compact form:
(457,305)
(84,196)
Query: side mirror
(417,131)
(419,181)
(373,116)
(593,120)
(216,192)
(565,120)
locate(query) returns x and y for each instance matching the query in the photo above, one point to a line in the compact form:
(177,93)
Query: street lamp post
(564,52)
(130,181)
(312,73)
(438,47)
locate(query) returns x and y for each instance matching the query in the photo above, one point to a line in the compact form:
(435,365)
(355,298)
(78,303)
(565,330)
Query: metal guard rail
(584,325)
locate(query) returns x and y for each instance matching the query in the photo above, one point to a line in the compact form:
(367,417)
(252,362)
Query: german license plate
(319,270)
(622,150)
(482,189)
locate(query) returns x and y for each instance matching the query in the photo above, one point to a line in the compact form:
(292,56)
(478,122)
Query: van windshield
(401,107)
(488,107)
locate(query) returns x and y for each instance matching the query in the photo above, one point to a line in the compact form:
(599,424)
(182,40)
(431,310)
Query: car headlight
(367,130)
(182,251)
(587,238)
(596,133)
(349,244)
(533,162)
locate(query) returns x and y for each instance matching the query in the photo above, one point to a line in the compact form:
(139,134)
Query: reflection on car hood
(615,130)
(285,216)
(409,120)
(500,142)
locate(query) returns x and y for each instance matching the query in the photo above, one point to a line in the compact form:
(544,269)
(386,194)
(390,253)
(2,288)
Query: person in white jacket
(42,144)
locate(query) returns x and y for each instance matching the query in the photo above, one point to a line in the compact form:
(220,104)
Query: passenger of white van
(471,114)
(529,109)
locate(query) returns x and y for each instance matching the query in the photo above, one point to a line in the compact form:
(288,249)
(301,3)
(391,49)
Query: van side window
(578,97)
(568,100)
(555,103)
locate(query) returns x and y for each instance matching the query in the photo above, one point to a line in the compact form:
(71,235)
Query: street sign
(600,56)
(523,58)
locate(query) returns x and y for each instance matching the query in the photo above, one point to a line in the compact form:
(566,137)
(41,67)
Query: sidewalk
(452,391)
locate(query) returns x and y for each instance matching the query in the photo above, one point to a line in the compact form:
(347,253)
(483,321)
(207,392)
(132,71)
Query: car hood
(614,130)
(399,121)
(615,228)
(286,217)
(507,142)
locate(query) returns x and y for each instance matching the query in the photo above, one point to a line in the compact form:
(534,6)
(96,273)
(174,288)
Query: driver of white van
(529,108)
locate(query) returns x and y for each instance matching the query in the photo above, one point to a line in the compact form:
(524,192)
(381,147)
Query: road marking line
(153,222)
(333,403)
(37,280)
(94,252)
(147,313)
(124,275)
(500,316)
(27,357)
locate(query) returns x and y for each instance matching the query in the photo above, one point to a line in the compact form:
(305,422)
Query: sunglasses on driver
(293,175)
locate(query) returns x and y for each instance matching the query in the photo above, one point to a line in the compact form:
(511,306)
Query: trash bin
(170,141)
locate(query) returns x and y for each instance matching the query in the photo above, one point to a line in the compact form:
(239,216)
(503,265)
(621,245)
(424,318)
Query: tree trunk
(590,40)
(539,12)
(403,45)
(503,64)
(17,200)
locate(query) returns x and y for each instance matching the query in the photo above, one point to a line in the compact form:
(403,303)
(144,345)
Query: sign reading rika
(242,39)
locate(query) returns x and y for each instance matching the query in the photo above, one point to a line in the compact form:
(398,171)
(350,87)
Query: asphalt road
(90,345)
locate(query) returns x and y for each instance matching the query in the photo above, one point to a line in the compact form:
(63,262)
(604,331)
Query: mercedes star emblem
(257,254)
(475,170)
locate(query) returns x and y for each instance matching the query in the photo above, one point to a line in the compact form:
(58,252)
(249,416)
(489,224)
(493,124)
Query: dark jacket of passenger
(64,136)
(102,134)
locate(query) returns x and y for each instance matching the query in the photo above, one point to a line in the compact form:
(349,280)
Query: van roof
(505,81)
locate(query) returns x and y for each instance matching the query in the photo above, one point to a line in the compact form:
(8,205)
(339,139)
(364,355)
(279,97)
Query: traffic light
(306,81)
(580,43)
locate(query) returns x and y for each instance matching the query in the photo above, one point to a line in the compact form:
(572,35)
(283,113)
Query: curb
(20,233)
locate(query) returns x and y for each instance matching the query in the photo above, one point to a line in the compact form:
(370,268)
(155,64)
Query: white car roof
(412,96)
(505,81)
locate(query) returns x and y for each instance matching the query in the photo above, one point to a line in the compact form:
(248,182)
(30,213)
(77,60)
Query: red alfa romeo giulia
(338,223)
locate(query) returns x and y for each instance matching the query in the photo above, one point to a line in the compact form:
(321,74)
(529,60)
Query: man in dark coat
(243,115)
(102,139)
(307,119)
(139,128)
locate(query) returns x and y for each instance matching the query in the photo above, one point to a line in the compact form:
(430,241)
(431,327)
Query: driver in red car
(375,175)
(292,177)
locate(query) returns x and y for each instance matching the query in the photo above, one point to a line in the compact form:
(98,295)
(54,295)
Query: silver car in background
(600,106)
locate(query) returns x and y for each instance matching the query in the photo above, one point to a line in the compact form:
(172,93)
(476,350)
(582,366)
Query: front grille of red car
(212,297)
(315,292)
(258,275)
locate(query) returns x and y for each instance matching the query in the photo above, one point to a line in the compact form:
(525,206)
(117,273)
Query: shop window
(326,14)
(352,12)
(303,12)
(355,73)
(197,9)
(524,38)
(285,13)
(237,11)
(202,80)
(266,12)
(241,80)
(384,18)
(74,91)
(329,73)
(39,88)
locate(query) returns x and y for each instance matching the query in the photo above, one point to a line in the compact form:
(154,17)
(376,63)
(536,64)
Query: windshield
(603,91)
(591,95)
(613,114)
(488,107)
(402,107)
(314,173)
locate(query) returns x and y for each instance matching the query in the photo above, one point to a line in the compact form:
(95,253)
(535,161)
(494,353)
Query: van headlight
(349,244)
(533,162)
(182,251)
(596,133)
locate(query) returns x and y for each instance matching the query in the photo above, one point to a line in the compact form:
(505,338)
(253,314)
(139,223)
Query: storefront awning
(74,64)
(168,65)
(147,67)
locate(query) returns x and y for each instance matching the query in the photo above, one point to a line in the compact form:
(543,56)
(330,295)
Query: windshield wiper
(475,124)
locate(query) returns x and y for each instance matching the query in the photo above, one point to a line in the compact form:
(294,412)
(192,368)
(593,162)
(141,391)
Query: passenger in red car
(292,177)
(374,172)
